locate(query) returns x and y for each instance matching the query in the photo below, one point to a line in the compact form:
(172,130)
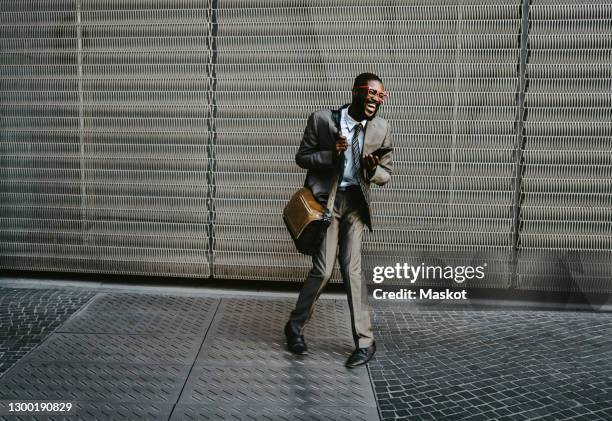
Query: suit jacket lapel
(371,132)
(335,121)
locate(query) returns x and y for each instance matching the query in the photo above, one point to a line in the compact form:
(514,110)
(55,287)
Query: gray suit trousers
(343,238)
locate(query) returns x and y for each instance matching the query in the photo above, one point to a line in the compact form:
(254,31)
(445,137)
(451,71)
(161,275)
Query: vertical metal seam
(519,126)
(453,152)
(85,239)
(212,131)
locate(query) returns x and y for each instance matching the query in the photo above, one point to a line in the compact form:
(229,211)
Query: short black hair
(364,78)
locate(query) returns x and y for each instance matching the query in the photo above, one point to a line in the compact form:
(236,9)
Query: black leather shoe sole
(361,358)
(295,344)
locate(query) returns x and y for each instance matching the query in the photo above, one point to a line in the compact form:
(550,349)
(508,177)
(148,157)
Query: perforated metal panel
(566,231)
(105,136)
(451,71)
(40,178)
(158,137)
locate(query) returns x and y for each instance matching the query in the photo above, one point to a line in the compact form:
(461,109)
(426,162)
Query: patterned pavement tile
(27,316)
(201,358)
(454,364)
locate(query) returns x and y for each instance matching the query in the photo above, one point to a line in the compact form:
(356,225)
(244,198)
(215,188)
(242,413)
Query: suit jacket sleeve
(309,155)
(382,174)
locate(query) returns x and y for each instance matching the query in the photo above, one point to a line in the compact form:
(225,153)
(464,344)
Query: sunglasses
(373,93)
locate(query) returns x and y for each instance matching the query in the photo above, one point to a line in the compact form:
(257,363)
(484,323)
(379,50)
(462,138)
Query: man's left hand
(370,162)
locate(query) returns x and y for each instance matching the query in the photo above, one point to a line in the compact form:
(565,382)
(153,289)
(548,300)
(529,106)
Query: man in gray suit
(344,142)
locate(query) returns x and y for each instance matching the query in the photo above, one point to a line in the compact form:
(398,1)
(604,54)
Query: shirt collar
(350,121)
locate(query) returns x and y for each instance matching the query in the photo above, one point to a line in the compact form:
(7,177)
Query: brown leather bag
(307,220)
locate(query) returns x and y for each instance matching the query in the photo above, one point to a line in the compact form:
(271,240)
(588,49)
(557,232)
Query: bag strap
(334,183)
(332,193)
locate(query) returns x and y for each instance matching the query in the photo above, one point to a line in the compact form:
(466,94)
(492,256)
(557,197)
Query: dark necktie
(355,148)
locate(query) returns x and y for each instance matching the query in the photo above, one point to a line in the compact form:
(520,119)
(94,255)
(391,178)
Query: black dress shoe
(295,343)
(361,356)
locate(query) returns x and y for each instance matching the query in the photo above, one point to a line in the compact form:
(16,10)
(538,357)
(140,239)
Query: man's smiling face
(367,99)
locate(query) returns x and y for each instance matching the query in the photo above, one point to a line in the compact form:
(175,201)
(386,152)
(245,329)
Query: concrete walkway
(178,354)
(139,356)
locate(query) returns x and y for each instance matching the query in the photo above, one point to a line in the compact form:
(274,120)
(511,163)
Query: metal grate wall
(451,70)
(40,198)
(106,136)
(566,231)
(158,137)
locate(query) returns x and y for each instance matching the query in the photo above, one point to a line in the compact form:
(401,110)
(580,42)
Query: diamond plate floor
(155,357)
(254,337)
(136,383)
(244,372)
(128,356)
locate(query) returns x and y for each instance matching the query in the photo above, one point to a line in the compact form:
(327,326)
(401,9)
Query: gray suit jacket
(317,152)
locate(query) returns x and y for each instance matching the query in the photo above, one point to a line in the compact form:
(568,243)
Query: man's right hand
(341,145)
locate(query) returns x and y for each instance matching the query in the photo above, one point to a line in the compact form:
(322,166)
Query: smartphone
(381,151)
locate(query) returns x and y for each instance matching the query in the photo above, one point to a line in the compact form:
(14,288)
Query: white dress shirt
(347,126)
